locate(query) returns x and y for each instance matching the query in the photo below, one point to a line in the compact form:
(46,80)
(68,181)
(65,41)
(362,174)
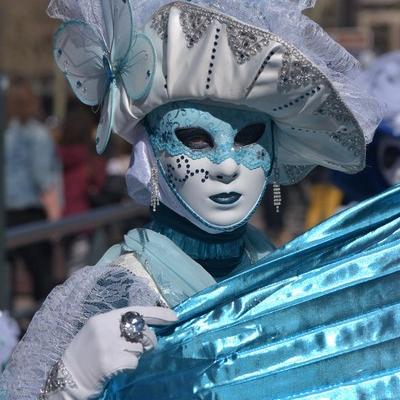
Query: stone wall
(26,38)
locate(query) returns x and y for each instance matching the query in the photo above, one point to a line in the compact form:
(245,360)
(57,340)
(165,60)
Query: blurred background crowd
(64,205)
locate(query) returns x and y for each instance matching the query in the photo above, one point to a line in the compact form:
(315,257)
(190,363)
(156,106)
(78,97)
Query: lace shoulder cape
(125,276)
(147,269)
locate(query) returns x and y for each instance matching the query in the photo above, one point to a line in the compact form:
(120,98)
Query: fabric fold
(316,319)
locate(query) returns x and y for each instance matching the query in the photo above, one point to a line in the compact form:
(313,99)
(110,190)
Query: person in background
(324,198)
(383,166)
(117,165)
(116,162)
(32,180)
(83,173)
(289,222)
(83,176)
(382,78)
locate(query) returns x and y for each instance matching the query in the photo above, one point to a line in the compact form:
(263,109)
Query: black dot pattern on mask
(189,173)
(170,176)
(178,163)
(205,176)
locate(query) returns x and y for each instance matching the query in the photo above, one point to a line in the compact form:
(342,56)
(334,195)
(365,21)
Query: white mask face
(215,159)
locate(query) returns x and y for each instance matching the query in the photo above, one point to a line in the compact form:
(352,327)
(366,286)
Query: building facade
(383,18)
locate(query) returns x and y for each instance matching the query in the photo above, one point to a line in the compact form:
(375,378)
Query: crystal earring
(277,191)
(155,191)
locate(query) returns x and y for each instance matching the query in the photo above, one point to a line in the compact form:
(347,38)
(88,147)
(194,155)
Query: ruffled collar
(219,254)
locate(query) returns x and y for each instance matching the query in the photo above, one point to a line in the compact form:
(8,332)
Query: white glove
(99,351)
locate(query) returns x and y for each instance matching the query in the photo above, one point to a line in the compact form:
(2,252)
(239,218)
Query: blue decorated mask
(217,160)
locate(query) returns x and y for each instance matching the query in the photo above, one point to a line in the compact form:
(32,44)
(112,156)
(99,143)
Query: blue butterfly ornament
(101,60)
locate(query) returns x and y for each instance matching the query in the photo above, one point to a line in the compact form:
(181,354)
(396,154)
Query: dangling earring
(155,191)
(277,191)
(277,195)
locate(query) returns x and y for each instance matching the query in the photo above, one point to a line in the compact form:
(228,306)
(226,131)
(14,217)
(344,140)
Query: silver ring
(132,325)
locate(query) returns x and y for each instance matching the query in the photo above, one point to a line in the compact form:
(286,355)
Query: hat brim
(318,112)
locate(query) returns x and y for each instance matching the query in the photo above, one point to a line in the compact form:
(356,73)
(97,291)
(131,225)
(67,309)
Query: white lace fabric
(90,291)
(88,11)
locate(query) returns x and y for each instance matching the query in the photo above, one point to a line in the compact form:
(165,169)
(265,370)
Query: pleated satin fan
(100,64)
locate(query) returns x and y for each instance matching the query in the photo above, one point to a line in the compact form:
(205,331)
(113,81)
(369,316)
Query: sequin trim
(245,43)
(333,108)
(296,172)
(194,25)
(297,72)
(59,379)
(160,22)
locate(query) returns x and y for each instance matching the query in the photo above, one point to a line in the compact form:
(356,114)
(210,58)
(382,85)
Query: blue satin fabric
(316,319)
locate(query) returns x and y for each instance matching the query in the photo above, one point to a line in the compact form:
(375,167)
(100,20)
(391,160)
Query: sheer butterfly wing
(118,28)
(78,52)
(107,119)
(138,69)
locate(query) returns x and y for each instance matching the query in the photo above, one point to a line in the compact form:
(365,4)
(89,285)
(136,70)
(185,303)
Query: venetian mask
(217,160)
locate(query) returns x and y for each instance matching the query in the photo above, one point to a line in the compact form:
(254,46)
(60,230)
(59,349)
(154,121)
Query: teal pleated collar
(219,254)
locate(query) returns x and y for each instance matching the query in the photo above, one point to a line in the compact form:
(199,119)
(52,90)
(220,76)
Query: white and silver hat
(256,54)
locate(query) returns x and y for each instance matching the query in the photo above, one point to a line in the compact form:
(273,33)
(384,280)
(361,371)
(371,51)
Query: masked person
(32,182)
(219,99)
(382,77)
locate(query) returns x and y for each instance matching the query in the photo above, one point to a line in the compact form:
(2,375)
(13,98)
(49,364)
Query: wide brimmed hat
(261,55)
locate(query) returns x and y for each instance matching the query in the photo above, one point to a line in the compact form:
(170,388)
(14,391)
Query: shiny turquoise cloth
(316,319)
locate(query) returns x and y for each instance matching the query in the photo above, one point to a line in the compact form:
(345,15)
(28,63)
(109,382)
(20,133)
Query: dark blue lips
(226,198)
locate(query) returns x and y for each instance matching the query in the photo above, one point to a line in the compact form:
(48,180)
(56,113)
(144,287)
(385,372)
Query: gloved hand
(99,351)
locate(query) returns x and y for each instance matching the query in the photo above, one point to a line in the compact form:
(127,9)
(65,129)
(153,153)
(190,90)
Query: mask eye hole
(249,135)
(195,138)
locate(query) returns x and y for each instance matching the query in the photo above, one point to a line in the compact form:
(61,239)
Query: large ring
(132,326)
